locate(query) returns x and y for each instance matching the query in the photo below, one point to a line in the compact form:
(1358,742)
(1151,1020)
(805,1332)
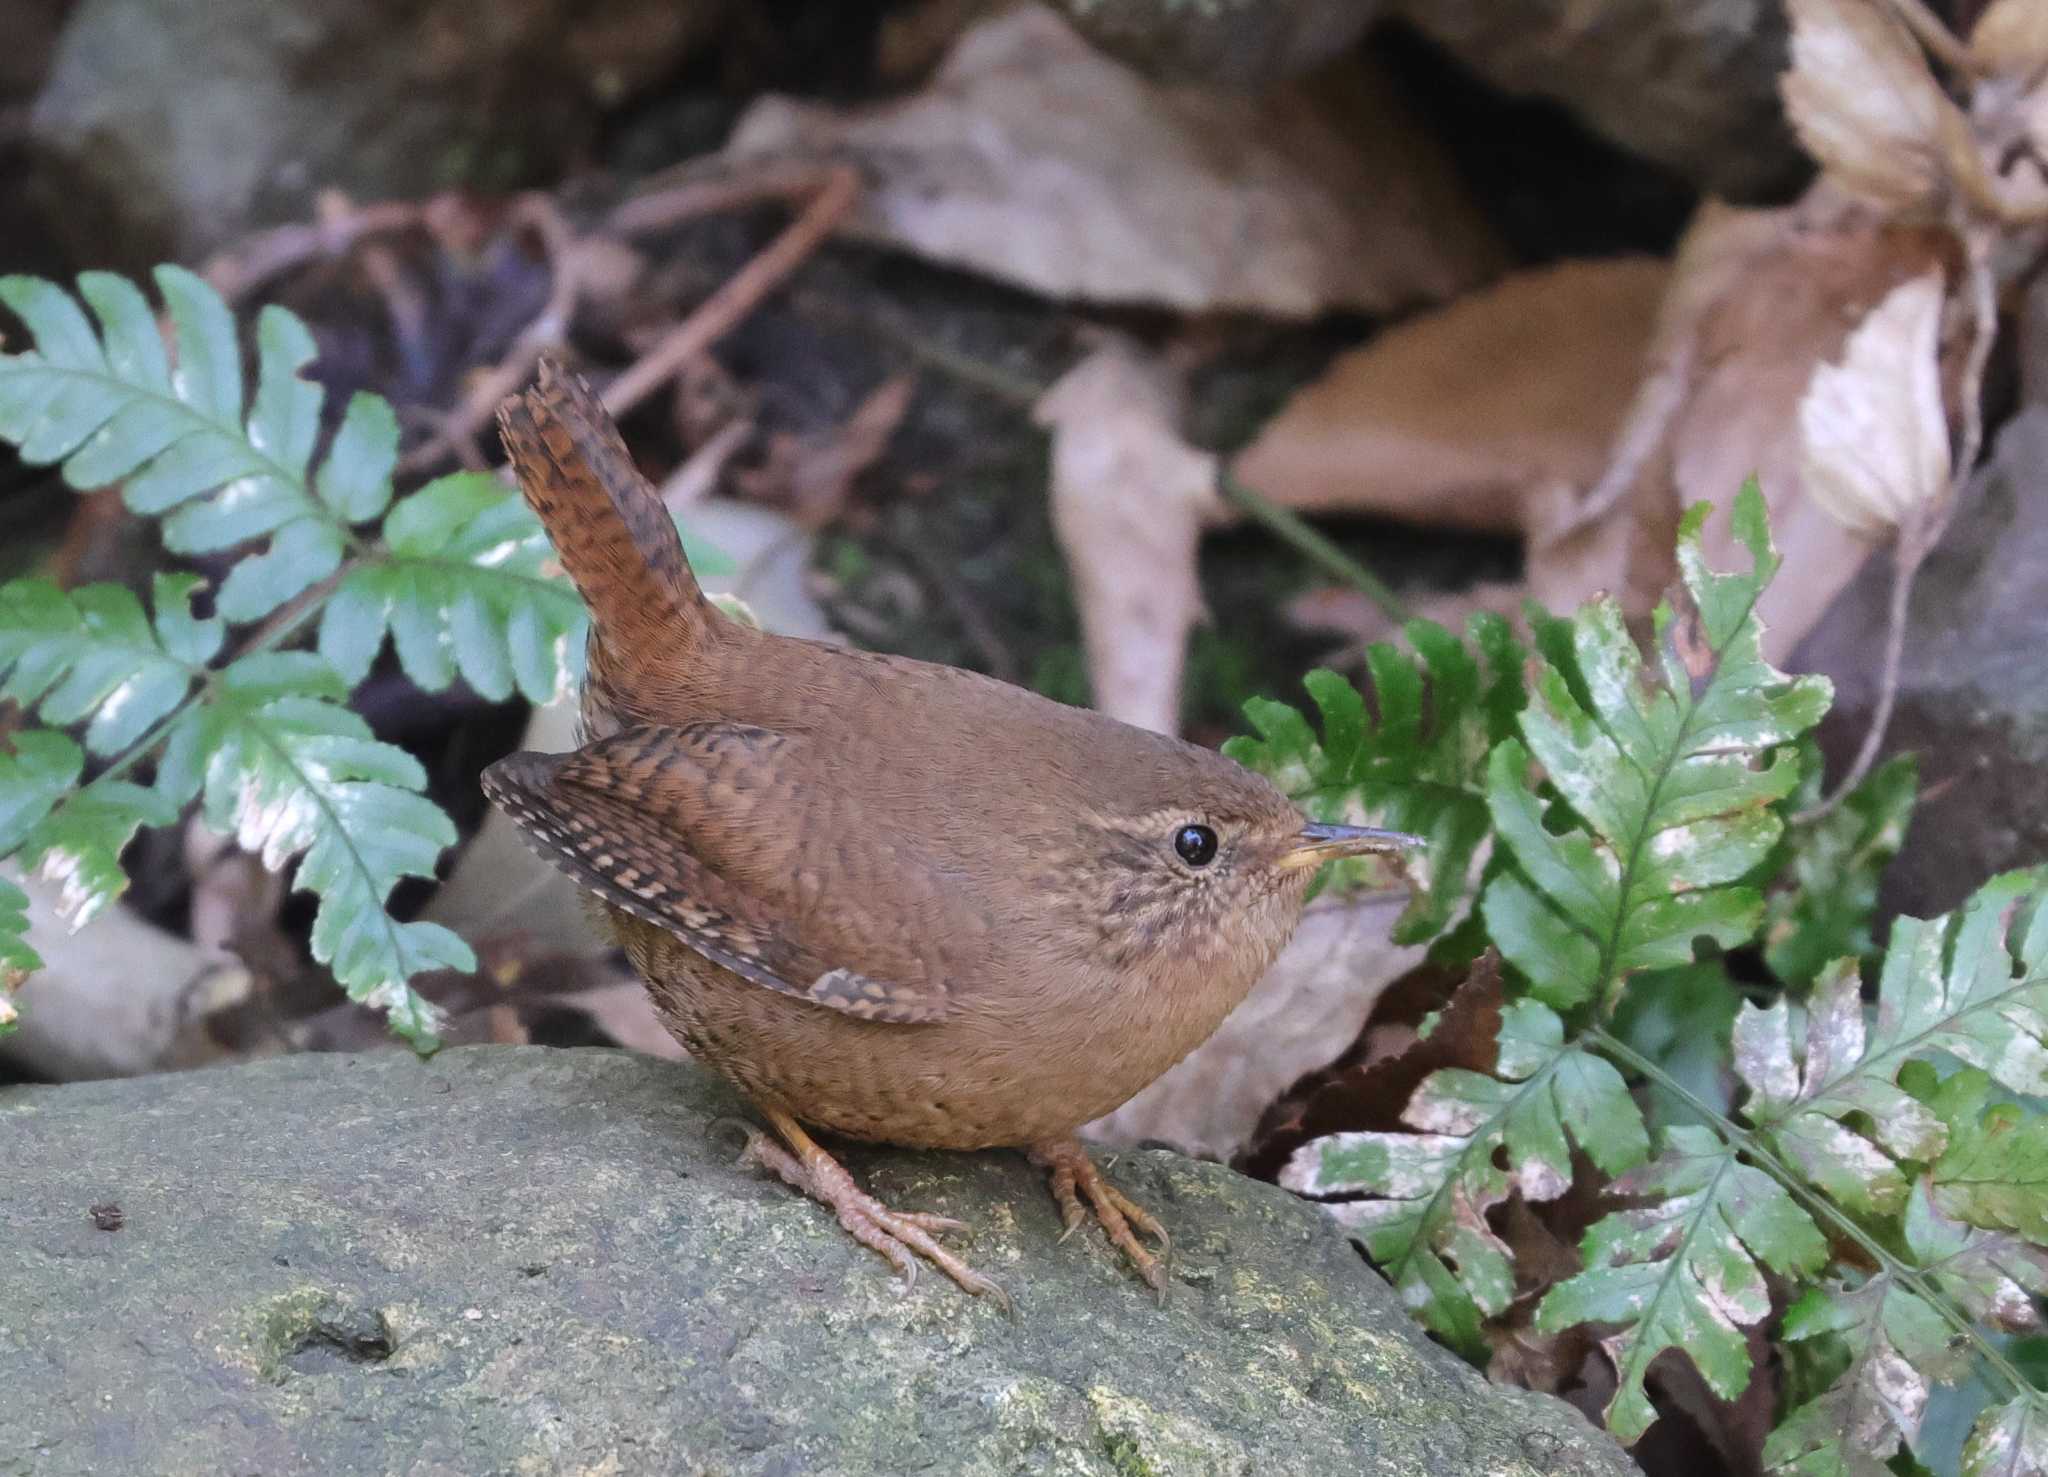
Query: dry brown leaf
(1758,300)
(1036,159)
(1459,416)
(1368,1086)
(2011,36)
(1129,501)
(1873,433)
(1864,101)
(110,999)
(2009,110)
(1302,1015)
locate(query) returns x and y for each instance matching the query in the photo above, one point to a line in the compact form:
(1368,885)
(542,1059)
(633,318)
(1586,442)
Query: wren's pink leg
(893,1233)
(1071,1169)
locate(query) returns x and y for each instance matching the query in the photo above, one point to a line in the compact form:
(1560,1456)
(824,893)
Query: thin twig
(695,478)
(1921,529)
(739,295)
(549,329)
(1907,554)
(702,193)
(1296,531)
(241,269)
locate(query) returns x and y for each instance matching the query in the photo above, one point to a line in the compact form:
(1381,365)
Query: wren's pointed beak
(1320,842)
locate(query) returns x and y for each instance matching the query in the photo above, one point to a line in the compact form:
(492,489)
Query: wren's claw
(895,1234)
(1071,1169)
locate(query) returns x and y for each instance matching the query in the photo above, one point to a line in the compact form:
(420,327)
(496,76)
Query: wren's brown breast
(897,900)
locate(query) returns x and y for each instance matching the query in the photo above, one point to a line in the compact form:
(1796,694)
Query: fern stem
(281,628)
(1295,530)
(1748,1143)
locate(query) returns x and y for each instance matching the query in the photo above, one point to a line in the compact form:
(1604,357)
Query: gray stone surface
(517,1260)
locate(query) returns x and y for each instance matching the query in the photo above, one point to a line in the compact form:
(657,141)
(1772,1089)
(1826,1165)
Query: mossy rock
(514,1259)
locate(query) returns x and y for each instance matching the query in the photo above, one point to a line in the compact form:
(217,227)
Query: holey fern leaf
(1900,1345)
(93,654)
(1479,1138)
(291,773)
(1974,984)
(467,590)
(113,407)
(1419,767)
(1670,785)
(1685,1269)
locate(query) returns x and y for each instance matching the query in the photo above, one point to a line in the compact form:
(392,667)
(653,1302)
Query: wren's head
(1207,867)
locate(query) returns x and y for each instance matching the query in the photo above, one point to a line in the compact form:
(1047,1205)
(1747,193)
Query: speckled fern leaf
(1863,1115)
(1419,766)
(1667,786)
(1427,1193)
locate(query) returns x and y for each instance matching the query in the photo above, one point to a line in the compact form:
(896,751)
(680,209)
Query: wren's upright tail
(607,524)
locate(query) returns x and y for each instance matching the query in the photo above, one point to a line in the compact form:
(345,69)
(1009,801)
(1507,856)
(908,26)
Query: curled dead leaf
(1034,158)
(1873,434)
(1758,300)
(111,999)
(1865,103)
(2011,36)
(1129,501)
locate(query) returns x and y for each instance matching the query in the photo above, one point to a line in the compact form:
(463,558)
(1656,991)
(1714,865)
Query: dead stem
(739,295)
(548,330)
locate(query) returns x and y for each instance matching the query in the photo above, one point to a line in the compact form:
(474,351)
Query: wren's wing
(641,819)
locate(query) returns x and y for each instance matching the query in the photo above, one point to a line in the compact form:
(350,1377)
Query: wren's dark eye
(1196,845)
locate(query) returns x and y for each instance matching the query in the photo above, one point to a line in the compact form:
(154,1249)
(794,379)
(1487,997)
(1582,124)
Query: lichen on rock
(513,1259)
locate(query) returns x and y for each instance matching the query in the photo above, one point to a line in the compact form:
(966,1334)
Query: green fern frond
(17,960)
(1429,1192)
(290,773)
(93,654)
(1420,767)
(112,408)
(465,590)
(2009,1440)
(1993,1171)
(1671,786)
(1972,985)
(1685,1270)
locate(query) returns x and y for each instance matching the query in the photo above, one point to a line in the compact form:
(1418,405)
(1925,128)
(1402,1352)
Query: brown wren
(898,901)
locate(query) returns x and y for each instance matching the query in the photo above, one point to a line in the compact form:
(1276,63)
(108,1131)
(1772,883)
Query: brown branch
(548,330)
(703,193)
(739,295)
(241,269)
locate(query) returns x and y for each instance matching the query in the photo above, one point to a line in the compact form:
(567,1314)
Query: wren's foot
(1072,1169)
(894,1233)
